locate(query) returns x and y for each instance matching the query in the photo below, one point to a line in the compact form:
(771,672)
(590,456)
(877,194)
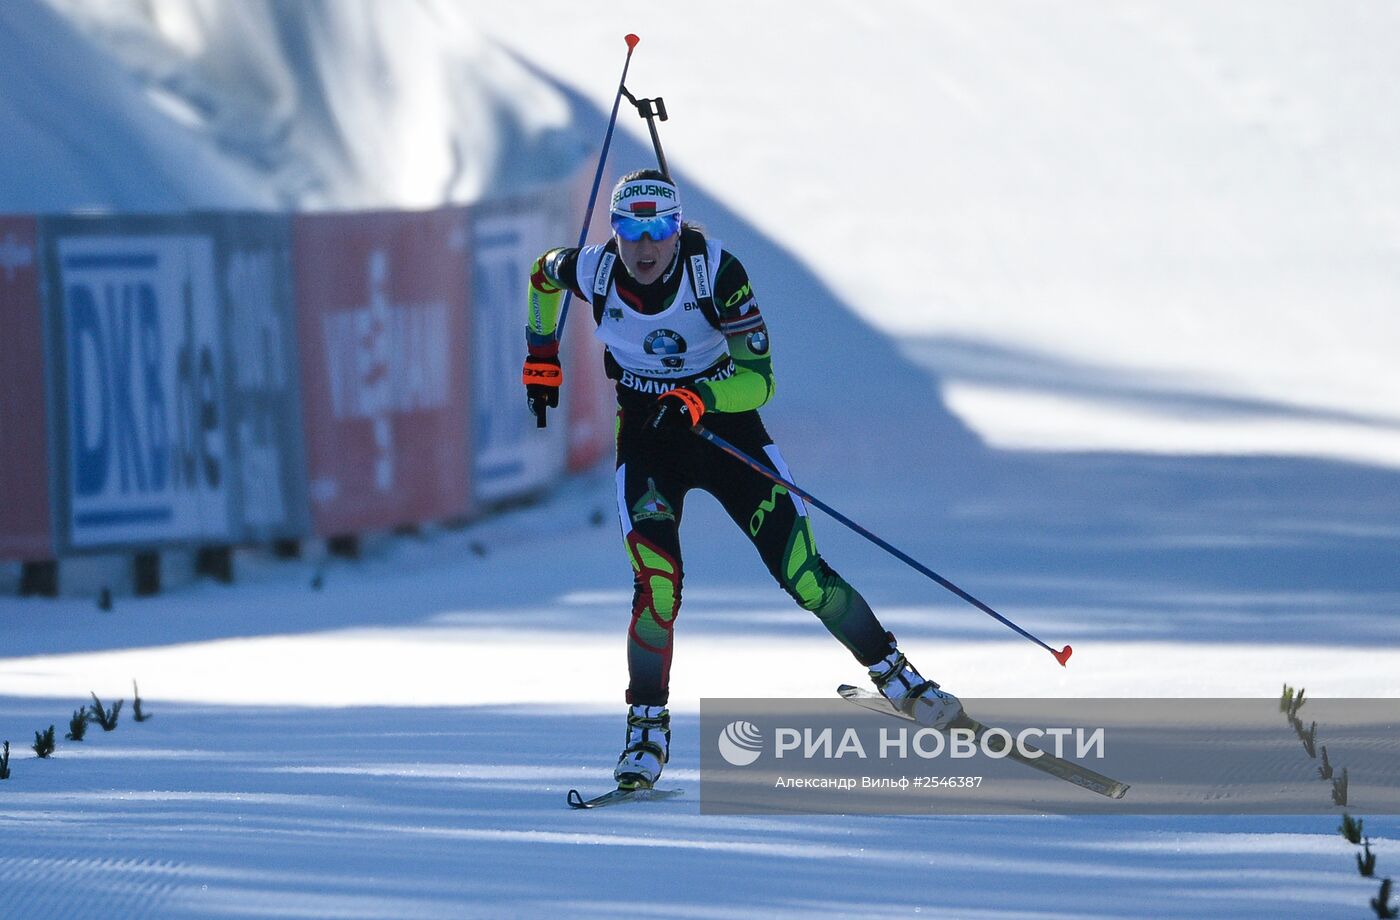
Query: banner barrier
(589,395)
(139,404)
(381,302)
(230,378)
(513,457)
(269,456)
(25,532)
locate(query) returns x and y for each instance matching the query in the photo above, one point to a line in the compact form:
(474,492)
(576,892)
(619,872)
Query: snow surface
(1156,239)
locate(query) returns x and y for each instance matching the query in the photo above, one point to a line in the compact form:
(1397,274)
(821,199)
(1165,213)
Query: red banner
(382,304)
(25,531)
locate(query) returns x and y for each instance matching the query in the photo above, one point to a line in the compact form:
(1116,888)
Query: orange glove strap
(541,373)
(692,401)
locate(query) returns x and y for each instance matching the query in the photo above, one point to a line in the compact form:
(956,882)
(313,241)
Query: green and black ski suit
(685,330)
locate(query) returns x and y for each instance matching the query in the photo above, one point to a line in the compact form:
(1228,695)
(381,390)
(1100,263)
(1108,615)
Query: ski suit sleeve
(550,276)
(747,336)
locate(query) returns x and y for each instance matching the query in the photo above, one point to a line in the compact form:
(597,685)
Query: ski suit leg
(777,524)
(650,497)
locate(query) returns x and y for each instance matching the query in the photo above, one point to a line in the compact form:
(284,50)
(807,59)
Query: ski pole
(1062,656)
(598,177)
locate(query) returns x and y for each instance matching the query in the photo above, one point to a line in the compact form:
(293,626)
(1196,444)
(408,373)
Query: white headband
(646,198)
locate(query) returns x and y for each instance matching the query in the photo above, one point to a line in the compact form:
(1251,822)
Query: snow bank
(180,104)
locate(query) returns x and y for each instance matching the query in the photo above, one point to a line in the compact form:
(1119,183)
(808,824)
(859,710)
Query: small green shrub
(107,718)
(1309,739)
(1325,771)
(43,742)
(136,712)
(1351,829)
(1381,903)
(77,725)
(1366,863)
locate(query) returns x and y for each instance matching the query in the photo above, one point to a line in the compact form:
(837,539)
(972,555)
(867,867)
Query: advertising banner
(589,395)
(383,341)
(512,456)
(589,399)
(141,414)
(25,531)
(254,270)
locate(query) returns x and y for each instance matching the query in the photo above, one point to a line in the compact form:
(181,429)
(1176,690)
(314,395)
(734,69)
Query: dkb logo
(147,426)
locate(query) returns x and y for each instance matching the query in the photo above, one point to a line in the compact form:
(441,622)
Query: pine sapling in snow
(1381,903)
(1289,704)
(1351,829)
(1309,739)
(1339,789)
(136,704)
(5,761)
(1366,860)
(107,718)
(77,725)
(1325,771)
(43,742)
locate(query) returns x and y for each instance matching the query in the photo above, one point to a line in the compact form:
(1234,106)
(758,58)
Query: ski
(1066,770)
(621,796)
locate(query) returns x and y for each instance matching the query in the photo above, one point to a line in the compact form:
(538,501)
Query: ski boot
(648,747)
(897,680)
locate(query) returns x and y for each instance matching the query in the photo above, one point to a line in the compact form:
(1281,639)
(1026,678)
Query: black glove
(677,410)
(542,376)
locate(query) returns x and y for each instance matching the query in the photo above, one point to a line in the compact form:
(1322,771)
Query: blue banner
(254,273)
(141,407)
(511,457)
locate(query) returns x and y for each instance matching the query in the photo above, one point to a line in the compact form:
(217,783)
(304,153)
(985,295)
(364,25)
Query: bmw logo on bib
(668,345)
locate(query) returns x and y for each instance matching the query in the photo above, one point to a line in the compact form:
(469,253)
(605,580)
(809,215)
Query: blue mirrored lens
(633,229)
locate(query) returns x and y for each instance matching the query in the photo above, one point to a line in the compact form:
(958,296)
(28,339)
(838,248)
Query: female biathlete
(684,342)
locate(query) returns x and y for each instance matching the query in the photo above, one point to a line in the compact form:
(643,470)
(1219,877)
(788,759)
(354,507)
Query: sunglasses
(660,228)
